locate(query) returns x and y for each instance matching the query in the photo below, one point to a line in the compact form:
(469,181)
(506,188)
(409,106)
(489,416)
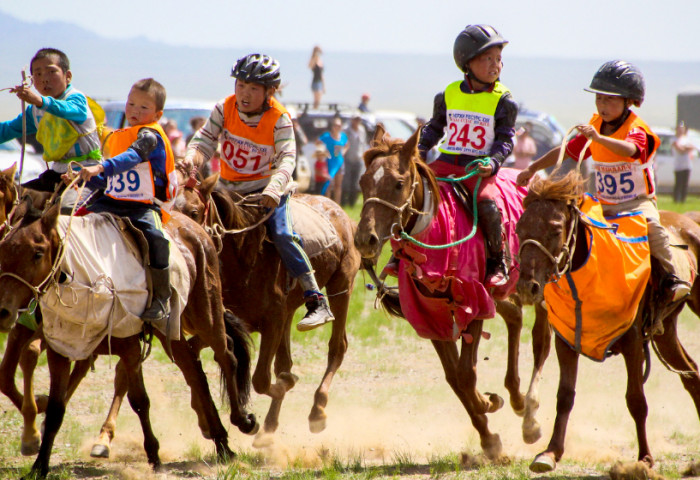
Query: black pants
(680,188)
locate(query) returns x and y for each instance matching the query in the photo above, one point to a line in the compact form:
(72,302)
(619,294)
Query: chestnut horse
(29,262)
(394,186)
(256,287)
(554,242)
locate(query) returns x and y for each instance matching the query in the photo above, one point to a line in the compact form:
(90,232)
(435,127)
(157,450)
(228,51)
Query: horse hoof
(31,448)
(531,431)
(492,447)
(543,463)
(317,426)
(99,451)
(263,440)
(288,380)
(496,402)
(250,425)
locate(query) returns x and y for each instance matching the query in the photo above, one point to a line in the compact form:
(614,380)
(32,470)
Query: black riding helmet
(258,68)
(472,41)
(619,78)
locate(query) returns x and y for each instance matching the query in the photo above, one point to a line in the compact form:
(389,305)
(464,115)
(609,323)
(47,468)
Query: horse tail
(390,302)
(240,342)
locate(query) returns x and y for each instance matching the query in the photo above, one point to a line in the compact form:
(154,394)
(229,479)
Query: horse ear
(49,219)
(9,172)
(208,184)
(379,134)
(409,150)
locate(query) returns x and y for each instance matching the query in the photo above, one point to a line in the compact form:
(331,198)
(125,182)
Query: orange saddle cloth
(593,306)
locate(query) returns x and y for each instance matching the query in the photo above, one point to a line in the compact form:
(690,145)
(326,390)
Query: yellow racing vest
(592,307)
(137,184)
(471,124)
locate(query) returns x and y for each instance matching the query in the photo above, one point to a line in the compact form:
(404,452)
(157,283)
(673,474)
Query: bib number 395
(611,183)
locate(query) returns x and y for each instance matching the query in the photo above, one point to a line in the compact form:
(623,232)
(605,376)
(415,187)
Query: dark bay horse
(256,286)
(394,187)
(554,243)
(28,262)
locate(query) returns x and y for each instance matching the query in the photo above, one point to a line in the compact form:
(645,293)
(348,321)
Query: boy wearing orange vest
(139,173)
(258,156)
(623,149)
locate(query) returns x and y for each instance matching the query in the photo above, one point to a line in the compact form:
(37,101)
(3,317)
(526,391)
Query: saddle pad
(313,226)
(106,291)
(441,290)
(590,308)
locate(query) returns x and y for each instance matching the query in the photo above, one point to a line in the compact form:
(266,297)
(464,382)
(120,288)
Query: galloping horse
(252,269)
(398,189)
(29,262)
(557,243)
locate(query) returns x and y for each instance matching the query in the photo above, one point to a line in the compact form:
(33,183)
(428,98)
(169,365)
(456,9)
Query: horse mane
(393,146)
(234,216)
(567,189)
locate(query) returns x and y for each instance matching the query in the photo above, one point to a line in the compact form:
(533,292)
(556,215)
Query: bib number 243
(467,136)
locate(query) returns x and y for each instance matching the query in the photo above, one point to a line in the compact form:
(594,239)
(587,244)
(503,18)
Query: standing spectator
(357,144)
(195,124)
(525,148)
(683,154)
(364,103)
(318,86)
(337,144)
(321,175)
(176,138)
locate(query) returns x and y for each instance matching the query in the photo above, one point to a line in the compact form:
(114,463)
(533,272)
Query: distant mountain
(106,68)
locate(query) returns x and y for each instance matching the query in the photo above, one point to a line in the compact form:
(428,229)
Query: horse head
(547,233)
(392,190)
(27,257)
(194,197)
(8,192)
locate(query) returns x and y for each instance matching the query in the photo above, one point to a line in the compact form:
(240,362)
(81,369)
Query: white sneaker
(319,313)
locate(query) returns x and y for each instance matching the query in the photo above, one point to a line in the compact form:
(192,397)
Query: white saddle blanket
(313,226)
(106,290)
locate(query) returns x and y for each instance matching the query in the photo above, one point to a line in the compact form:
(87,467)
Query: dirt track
(386,407)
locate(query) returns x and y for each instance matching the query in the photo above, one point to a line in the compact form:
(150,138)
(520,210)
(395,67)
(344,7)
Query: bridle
(566,255)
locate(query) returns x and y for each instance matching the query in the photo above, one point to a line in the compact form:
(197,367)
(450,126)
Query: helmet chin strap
(617,123)
(470,78)
(265,107)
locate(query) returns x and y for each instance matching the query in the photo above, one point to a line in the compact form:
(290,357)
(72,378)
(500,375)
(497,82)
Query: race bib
(246,157)
(468,133)
(135,184)
(620,182)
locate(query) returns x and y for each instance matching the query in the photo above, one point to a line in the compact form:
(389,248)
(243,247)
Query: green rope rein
(471,170)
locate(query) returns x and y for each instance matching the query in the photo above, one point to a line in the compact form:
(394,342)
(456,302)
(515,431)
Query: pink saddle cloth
(441,290)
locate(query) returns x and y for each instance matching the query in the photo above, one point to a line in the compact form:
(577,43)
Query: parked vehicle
(663,163)
(11,152)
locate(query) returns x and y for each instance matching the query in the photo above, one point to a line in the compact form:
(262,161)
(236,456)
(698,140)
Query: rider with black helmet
(258,155)
(622,148)
(478,115)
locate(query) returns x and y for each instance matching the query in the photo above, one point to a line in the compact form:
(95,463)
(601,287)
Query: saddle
(105,288)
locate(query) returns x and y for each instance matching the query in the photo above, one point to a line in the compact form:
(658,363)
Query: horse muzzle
(7,319)
(530,290)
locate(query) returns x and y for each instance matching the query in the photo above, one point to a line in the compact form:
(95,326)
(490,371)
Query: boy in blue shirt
(59,115)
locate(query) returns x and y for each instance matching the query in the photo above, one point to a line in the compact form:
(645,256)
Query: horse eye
(38,255)
(399,185)
(194,213)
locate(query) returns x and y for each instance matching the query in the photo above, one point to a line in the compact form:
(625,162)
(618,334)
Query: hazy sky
(630,29)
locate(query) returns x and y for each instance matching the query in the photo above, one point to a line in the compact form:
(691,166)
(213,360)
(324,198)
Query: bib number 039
(129,180)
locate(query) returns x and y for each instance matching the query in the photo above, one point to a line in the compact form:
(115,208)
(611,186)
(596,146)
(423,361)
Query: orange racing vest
(137,184)
(247,153)
(592,307)
(620,179)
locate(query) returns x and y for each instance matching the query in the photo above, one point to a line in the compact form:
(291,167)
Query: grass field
(390,413)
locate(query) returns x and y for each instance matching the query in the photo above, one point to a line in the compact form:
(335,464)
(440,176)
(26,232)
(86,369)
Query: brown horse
(394,186)
(252,269)
(554,242)
(28,256)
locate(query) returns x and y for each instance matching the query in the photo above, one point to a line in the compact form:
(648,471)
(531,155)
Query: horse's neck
(421,202)
(580,249)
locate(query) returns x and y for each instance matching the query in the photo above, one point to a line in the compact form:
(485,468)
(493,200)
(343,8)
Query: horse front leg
(337,346)
(633,353)
(17,339)
(541,345)
(512,314)
(59,373)
(102,446)
(568,371)
(31,438)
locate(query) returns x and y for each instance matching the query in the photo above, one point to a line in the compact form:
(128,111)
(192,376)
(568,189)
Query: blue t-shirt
(335,148)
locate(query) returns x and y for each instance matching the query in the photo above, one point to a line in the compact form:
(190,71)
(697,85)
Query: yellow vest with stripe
(471,124)
(592,307)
